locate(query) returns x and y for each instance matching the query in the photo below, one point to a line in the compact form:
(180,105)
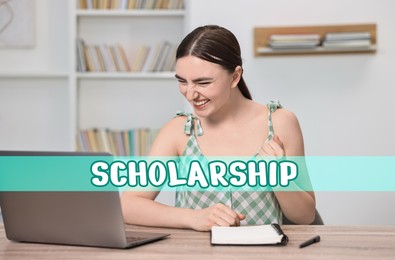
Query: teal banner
(107,173)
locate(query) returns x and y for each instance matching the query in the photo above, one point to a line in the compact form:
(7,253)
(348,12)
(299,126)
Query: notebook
(72,218)
(248,235)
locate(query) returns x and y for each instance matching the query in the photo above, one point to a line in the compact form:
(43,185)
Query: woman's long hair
(214,44)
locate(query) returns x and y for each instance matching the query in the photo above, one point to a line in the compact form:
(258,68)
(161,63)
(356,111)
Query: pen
(313,240)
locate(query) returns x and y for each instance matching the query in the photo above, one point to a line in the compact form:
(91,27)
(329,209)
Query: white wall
(343,102)
(34,110)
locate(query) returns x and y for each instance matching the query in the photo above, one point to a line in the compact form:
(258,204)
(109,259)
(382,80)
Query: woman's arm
(298,205)
(140,208)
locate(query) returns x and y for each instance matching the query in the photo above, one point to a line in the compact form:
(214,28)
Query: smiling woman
(226,122)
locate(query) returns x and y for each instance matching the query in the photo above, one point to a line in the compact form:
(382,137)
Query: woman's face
(206,86)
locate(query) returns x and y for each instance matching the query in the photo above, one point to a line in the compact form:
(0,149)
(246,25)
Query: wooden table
(337,242)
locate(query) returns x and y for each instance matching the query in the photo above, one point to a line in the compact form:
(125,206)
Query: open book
(248,235)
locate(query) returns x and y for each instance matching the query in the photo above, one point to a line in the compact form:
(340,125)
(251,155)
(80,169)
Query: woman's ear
(236,76)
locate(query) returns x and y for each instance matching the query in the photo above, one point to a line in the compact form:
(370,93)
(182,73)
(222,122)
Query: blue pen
(313,240)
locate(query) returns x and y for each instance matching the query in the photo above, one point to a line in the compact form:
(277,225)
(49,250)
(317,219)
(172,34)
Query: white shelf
(126,75)
(94,13)
(262,39)
(33,74)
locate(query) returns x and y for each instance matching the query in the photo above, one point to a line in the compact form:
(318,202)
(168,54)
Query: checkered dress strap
(195,199)
(271,107)
(259,207)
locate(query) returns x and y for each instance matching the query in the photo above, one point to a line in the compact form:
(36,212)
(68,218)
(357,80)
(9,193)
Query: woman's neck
(231,112)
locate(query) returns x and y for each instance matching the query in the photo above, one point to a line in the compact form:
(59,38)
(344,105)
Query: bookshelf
(262,39)
(120,101)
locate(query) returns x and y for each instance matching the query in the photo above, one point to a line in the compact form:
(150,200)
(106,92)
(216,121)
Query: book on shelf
(344,36)
(81,64)
(294,37)
(160,4)
(107,57)
(347,44)
(119,4)
(171,60)
(124,59)
(83,4)
(164,55)
(294,41)
(270,234)
(161,58)
(95,52)
(136,142)
(101,64)
(140,58)
(123,4)
(105,142)
(155,57)
(88,59)
(149,4)
(348,40)
(132,142)
(126,142)
(119,57)
(130,4)
(294,45)
(113,55)
(119,143)
(113,58)
(115,4)
(93,140)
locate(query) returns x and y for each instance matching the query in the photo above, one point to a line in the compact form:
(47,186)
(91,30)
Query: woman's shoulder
(174,125)
(170,138)
(284,115)
(286,125)
(277,111)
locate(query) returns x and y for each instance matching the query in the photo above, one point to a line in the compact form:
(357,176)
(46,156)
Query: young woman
(226,122)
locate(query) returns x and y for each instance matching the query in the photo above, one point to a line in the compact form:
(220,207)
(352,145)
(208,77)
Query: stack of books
(113,58)
(347,40)
(130,4)
(294,41)
(161,58)
(132,142)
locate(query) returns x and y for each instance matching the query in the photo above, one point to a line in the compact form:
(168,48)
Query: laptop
(86,218)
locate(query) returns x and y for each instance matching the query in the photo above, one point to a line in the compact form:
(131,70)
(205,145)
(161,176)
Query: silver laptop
(72,218)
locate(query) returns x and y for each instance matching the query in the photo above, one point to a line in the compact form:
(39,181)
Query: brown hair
(214,44)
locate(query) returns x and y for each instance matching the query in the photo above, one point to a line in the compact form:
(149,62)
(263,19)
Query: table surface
(337,242)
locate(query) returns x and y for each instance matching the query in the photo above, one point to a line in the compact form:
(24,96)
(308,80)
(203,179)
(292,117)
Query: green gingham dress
(259,207)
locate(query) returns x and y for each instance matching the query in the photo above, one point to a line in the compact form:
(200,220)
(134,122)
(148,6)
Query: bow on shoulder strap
(190,123)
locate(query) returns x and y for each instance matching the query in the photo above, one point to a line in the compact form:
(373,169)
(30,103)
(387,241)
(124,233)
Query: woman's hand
(274,147)
(216,215)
